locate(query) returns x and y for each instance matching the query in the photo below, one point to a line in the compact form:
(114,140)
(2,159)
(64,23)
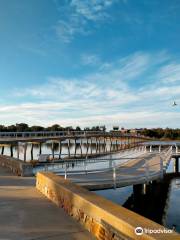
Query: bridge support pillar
(68,147)
(99,144)
(176,149)
(87,146)
(177,164)
(18,150)
(116,145)
(81,146)
(40,148)
(150,148)
(52,149)
(11,148)
(2,150)
(25,150)
(159,148)
(91,145)
(75,147)
(60,149)
(145,149)
(96,145)
(32,147)
(139,189)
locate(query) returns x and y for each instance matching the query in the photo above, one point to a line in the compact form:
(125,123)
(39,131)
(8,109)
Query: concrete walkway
(25,214)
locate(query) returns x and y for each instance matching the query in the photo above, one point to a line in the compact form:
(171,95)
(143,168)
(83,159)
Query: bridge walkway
(26,214)
(144,168)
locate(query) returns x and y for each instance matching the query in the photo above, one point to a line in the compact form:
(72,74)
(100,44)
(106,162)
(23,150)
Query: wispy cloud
(170,73)
(77,14)
(92,10)
(90,59)
(108,96)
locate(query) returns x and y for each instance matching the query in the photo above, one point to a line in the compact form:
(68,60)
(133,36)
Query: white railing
(164,159)
(49,134)
(65,133)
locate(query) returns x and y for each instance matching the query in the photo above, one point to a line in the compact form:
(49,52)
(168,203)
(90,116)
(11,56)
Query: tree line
(160,133)
(23,127)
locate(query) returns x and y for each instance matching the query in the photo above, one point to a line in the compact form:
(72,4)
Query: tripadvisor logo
(138,231)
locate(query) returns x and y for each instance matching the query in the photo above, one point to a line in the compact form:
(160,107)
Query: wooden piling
(60,149)
(11,149)
(32,147)
(2,150)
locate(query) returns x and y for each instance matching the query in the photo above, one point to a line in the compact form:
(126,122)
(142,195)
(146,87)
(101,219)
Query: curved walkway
(144,168)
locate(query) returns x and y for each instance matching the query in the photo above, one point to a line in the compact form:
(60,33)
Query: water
(46,148)
(160,203)
(99,163)
(172,217)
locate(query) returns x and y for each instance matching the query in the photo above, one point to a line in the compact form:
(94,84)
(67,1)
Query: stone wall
(103,218)
(17,166)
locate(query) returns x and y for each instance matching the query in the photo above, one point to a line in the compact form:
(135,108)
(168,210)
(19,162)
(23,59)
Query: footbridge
(128,167)
(102,142)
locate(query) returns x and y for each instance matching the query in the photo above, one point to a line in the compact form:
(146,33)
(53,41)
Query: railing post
(159,148)
(147,170)
(161,166)
(65,172)
(150,149)
(176,149)
(85,165)
(114,175)
(145,148)
(110,161)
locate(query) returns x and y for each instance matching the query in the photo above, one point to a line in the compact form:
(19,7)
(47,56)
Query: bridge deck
(144,168)
(26,214)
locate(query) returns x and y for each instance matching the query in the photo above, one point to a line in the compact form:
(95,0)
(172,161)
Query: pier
(133,161)
(103,142)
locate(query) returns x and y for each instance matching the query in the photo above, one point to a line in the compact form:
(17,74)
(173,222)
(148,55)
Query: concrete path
(25,214)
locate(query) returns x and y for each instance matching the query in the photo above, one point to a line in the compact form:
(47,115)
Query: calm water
(163,201)
(46,148)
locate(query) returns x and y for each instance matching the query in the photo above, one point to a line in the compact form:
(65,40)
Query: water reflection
(159,202)
(63,149)
(172,217)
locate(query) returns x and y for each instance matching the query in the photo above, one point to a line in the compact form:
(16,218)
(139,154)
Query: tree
(22,127)
(78,128)
(55,127)
(3,128)
(36,128)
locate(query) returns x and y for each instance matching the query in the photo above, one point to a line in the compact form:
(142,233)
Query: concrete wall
(17,166)
(104,219)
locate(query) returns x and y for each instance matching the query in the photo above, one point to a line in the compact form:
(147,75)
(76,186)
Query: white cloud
(170,73)
(109,96)
(90,59)
(91,9)
(77,14)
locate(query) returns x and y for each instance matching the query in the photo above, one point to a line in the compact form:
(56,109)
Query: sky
(90,62)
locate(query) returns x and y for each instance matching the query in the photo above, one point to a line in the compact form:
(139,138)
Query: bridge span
(136,168)
(102,142)
(129,167)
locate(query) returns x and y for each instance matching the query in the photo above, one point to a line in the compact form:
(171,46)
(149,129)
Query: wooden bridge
(133,161)
(100,139)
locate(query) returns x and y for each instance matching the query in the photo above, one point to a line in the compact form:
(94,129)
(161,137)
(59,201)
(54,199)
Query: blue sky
(90,62)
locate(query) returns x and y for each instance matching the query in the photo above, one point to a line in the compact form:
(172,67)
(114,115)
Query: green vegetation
(160,133)
(23,127)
